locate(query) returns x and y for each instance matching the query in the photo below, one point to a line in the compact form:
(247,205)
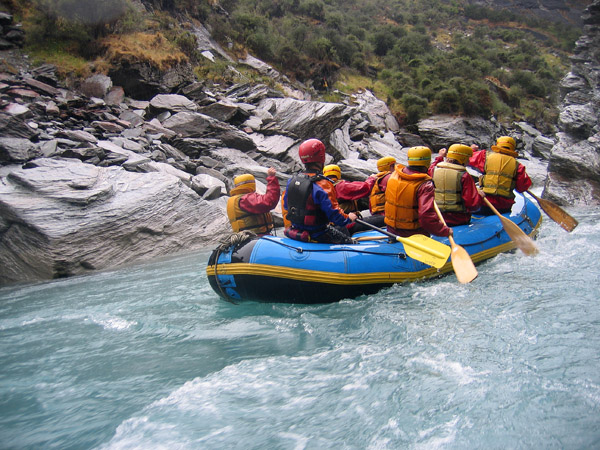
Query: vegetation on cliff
(421,56)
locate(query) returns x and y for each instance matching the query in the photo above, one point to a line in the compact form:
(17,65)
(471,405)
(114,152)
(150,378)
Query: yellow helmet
(505,144)
(243,184)
(460,152)
(419,156)
(385,164)
(332,171)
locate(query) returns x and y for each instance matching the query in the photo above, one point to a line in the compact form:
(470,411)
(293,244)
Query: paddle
(370,238)
(419,247)
(461,260)
(556,213)
(518,236)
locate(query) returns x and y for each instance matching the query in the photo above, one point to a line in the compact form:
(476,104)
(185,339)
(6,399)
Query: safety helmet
(312,150)
(505,143)
(385,164)
(332,171)
(419,156)
(460,152)
(243,184)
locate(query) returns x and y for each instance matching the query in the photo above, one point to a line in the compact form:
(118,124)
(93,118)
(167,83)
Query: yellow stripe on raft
(350,279)
(319,276)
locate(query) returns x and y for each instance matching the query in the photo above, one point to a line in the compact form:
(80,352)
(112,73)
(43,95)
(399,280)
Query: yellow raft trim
(315,276)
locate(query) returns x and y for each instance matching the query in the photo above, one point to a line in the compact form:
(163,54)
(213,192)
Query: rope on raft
(235,240)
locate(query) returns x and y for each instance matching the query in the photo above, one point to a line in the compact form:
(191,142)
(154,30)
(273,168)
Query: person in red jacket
(385,168)
(501,174)
(249,210)
(409,198)
(455,192)
(348,192)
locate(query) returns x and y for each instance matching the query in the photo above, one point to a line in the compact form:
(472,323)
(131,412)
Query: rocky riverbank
(94,178)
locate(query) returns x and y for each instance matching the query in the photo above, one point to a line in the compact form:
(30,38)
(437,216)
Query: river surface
(149,357)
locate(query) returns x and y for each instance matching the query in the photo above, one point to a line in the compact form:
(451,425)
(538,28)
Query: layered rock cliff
(574,168)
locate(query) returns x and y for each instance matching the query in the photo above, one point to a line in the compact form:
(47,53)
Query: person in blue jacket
(310,201)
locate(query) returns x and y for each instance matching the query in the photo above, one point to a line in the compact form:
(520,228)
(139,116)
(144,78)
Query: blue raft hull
(281,270)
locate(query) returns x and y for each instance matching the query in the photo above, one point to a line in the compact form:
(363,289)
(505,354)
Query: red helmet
(312,150)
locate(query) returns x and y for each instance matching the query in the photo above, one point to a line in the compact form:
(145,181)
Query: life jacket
(500,174)
(377,196)
(301,206)
(401,204)
(286,222)
(448,187)
(242,220)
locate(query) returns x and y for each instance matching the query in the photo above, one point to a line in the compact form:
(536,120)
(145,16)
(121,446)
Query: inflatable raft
(282,270)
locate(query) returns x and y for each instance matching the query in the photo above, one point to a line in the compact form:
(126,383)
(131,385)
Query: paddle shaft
(518,236)
(373,227)
(439,213)
(405,241)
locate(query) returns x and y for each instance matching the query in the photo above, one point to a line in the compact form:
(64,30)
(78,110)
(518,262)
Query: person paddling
(409,198)
(348,193)
(501,174)
(455,192)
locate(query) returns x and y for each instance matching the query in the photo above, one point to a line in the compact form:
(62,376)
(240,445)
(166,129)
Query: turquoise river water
(149,357)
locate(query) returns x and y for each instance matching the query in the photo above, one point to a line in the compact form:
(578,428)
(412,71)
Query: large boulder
(306,119)
(65,217)
(443,131)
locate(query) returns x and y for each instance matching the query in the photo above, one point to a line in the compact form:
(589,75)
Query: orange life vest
(377,196)
(401,204)
(242,220)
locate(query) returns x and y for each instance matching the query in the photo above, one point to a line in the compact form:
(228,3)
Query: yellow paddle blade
(518,236)
(556,213)
(461,260)
(427,250)
(462,263)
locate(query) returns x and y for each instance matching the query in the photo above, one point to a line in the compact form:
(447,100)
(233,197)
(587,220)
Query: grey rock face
(65,217)
(573,172)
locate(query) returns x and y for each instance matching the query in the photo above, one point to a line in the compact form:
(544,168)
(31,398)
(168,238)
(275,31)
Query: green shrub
(446,102)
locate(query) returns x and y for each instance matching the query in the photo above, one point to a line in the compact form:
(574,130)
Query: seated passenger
(311,203)
(348,193)
(249,210)
(502,174)
(409,198)
(455,191)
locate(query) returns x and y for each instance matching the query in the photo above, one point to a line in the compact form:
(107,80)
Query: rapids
(148,356)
